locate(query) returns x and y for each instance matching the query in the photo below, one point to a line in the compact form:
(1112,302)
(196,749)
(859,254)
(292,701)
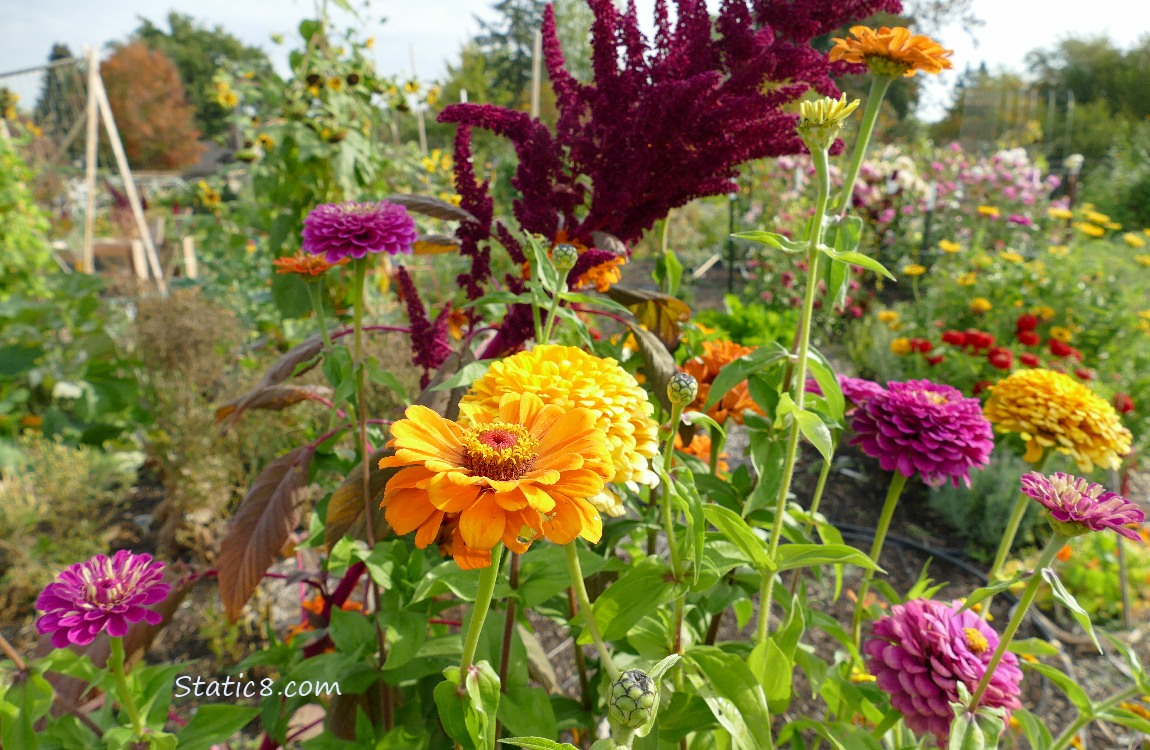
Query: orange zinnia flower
(526,473)
(892,52)
(705,368)
(303,264)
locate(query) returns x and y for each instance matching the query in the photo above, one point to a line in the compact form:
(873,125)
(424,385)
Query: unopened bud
(633,699)
(565,256)
(682,389)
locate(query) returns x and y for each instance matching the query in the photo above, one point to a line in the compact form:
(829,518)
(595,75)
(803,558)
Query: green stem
(116,666)
(897,482)
(1063,740)
(1017,513)
(1044,559)
(551,315)
(315,293)
(822,175)
(479,610)
(360,400)
(576,571)
(668,516)
(878,87)
(820,485)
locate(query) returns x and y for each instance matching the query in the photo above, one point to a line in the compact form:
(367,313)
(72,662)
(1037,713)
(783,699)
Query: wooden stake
(87,259)
(129,183)
(191,267)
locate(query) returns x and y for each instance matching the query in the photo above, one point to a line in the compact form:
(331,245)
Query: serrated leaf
(1067,600)
(260,527)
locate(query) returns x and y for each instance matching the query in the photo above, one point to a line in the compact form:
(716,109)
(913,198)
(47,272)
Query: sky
(432,31)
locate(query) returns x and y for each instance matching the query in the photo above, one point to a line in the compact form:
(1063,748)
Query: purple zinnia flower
(352,230)
(858,390)
(1073,500)
(102,593)
(920,426)
(923,649)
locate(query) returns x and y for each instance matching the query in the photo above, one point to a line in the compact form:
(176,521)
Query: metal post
(731,243)
(87,257)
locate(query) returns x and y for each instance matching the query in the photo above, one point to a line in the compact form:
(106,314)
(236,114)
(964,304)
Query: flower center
(103,587)
(976,640)
(888,67)
(498,451)
(932,397)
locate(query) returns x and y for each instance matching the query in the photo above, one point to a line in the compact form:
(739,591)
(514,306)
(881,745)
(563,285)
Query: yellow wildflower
(1043,312)
(1055,212)
(1143,260)
(1097,218)
(1059,251)
(900,346)
(1092,230)
(980,305)
(967,279)
(914,269)
(1061,333)
(1012,257)
(888,316)
(949,247)
(990,212)
(1134,240)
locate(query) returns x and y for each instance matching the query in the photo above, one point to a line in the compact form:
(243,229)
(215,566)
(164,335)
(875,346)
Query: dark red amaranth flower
(103,593)
(925,428)
(923,649)
(352,230)
(1079,505)
(430,345)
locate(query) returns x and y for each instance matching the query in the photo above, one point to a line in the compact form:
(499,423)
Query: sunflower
(1051,410)
(705,368)
(568,377)
(892,52)
(524,474)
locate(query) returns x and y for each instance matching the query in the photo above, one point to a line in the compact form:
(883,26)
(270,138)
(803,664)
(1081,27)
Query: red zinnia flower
(933,359)
(1084,374)
(920,345)
(979,340)
(1028,338)
(954,338)
(1059,348)
(980,386)
(1028,359)
(1000,357)
(1123,404)
(1026,322)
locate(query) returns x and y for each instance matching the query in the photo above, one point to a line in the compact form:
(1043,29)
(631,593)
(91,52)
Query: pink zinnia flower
(352,230)
(1083,504)
(101,593)
(858,390)
(920,653)
(925,428)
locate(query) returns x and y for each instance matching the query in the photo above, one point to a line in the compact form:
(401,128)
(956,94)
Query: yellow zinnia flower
(967,279)
(1061,334)
(1043,312)
(991,212)
(1059,251)
(980,305)
(949,247)
(1012,257)
(705,368)
(1143,260)
(1097,218)
(888,316)
(826,111)
(569,377)
(1059,213)
(892,52)
(900,346)
(914,269)
(525,473)
(1133,240)
(1051,410)
(1093,230)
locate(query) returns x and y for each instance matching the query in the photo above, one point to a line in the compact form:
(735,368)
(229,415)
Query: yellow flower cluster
(914,269)
(1051,410)
(980,305)
(949,247)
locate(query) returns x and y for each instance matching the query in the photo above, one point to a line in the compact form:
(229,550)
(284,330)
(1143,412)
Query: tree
(508,44)
(54,111)
(199,52)
(155,121)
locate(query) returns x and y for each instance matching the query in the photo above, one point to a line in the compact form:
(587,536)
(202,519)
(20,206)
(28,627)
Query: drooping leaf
(734,696)
(1067,600)
(260,527)
(773,239)
(609,242)
(658,364)
(792,556)
(434,244)
(662,314)
(436,208)
(295,361)
(738,531)
(273,397)
(346,507)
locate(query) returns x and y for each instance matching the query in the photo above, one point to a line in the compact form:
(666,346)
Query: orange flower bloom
(700,448)
(304,264)
(312,610)
(604,275)
(705,368)
(526,473)
(892,52)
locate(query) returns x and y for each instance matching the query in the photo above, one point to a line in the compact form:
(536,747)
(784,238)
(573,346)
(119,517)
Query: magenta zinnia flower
(858,390)
(101,593)
(352,230)
(923,649)
(925,428)
(1078,502)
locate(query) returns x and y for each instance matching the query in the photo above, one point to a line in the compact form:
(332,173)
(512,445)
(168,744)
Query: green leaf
(538,743)
(739,532)
(738,370)
(501,297)
(549,275)
(790,556)
(829,384)
(24,703)
(448,577)
(691,418)
(1067,600)
(813,428)
(482,686)
(17,359)
(848,233)
(528,711)
(668,273)
(1033,728)
(734,696)
(451,708)
(985,592)
(646,586)
(1065,683)
(586,299)
(774,671)
(467,375)
(352,632)
(773,239)
(1032,647)
(385,378)
(212,724)
(663,667)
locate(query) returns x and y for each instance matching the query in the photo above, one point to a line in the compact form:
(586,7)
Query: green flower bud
(682,389)
(633,699)
(565,256)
